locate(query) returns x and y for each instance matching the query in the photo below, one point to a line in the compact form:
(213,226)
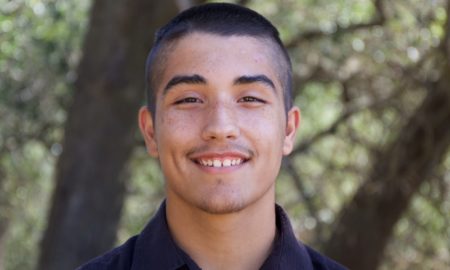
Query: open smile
(220,162)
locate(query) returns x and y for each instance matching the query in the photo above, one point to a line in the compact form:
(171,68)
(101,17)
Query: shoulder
(119,258)
(321,262)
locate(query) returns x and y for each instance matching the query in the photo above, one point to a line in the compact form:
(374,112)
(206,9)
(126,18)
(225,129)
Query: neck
(238,240)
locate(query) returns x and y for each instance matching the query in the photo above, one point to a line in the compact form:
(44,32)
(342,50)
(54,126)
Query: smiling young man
(219,119)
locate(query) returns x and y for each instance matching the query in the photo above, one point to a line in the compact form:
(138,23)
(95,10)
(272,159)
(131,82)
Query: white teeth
(217,163)
(226,163)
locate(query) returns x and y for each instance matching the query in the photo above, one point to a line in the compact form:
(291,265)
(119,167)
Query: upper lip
(220,155)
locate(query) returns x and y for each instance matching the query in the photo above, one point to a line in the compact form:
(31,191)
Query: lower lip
(220,170)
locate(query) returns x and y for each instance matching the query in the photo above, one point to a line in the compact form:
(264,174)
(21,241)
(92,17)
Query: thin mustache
(231,147)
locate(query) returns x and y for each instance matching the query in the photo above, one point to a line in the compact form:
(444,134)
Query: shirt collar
(155,248)
(288,252)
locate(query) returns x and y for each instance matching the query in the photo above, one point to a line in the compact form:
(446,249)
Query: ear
(147,128)
(293,122)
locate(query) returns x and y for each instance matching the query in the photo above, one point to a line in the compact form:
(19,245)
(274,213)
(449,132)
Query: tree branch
(306,144)
(351,109)
(397,173)
(379,18)
(307,198)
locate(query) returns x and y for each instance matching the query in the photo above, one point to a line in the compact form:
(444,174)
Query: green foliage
(145,193)
(39,49)
(28,186)
(421,240)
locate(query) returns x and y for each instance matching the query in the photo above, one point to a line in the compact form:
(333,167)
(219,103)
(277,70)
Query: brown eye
(188,100)
(251,99)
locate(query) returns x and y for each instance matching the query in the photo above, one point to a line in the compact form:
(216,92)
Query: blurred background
(368,182)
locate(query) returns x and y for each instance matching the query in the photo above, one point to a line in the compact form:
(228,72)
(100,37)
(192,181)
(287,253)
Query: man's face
(220,129)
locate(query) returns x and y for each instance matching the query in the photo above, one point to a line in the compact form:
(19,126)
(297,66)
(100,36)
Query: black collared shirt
(154,248)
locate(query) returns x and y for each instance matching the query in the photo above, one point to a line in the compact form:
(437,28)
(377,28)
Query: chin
(221,205)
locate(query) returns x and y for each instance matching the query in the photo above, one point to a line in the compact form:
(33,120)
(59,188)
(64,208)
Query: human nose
(220,123)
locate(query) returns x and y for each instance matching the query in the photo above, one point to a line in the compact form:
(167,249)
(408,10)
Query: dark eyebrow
(255,79)
(181,79)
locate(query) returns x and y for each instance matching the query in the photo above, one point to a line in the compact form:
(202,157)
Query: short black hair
(222,19)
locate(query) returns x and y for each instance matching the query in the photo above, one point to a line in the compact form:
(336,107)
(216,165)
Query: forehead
(215,56)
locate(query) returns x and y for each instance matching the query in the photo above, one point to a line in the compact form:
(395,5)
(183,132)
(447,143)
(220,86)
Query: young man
(219,119)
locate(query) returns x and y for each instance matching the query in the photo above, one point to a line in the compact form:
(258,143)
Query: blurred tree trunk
(3,230)
(99,133)
(367,222)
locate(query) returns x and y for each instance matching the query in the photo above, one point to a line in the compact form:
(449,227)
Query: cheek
(174,121)
(266,125)
(175,128)
(266,135)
